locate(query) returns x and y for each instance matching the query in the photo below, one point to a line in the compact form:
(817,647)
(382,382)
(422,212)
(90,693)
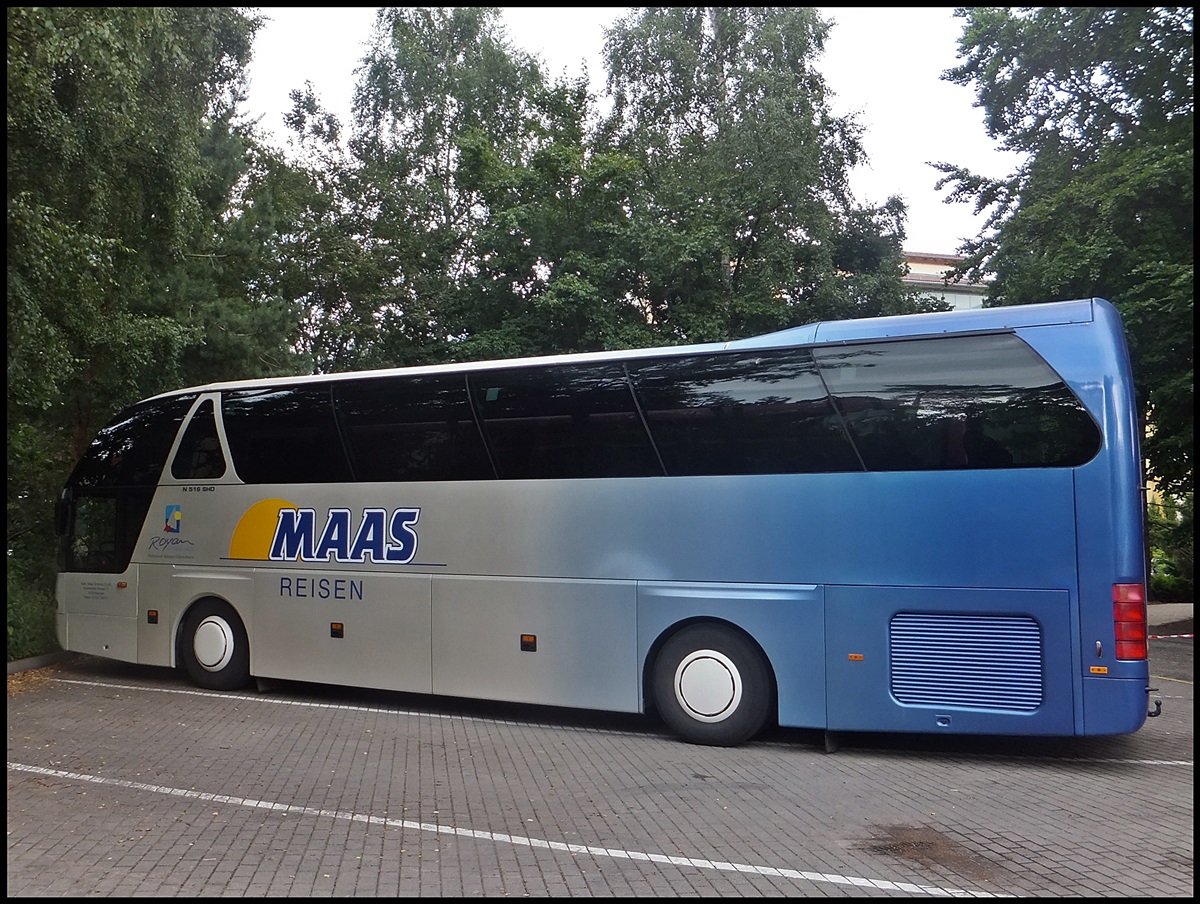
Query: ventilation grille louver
(976,661)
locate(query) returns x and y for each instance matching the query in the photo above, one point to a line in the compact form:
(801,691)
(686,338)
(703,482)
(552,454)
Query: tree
(122,161)
(485,221)
(1100,100)
(434,80)
(503,217)
(111,113)
(744,221)
(551,275)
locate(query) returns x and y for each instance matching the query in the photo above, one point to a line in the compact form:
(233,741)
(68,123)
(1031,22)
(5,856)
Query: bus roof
(823,332)
(930,324)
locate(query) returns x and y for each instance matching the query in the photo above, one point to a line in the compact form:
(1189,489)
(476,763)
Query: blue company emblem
(174,519)
(379,537)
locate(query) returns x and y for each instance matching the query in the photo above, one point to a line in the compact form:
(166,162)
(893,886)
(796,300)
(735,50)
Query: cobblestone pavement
(126,781)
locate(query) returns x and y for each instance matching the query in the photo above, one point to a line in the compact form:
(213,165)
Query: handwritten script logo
(171,544)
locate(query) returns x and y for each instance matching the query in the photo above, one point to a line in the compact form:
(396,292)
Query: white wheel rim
(708,686)
(213,643)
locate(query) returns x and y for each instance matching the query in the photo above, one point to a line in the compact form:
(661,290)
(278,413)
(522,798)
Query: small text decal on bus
(377,538)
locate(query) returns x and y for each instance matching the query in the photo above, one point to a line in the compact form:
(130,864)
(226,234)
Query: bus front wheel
(712,686)
(214,647)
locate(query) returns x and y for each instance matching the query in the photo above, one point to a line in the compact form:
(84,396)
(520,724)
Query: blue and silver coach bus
(926,523)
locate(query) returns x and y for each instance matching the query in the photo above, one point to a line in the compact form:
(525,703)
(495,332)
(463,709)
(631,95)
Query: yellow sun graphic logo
(254,532)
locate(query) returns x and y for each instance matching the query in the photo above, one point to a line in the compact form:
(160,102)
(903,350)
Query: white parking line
(522,841)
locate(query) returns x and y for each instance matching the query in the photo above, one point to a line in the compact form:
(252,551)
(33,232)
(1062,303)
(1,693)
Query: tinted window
(568,421)
(411,428)
(132,450)
(960,402)
(199,456)
(284,436)
(760,413)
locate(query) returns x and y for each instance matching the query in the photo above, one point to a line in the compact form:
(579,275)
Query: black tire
(214,648)
(712,686)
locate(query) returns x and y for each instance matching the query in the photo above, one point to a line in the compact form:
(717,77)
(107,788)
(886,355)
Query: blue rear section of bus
(1090,517)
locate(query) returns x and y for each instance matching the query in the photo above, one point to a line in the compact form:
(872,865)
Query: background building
(926,272)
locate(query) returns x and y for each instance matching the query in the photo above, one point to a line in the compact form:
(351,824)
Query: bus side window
(954,451)
(286,434)
(411,428)
(885,441)
(563,422)
(901,401)
(199,456)
(984,450)
(759,413)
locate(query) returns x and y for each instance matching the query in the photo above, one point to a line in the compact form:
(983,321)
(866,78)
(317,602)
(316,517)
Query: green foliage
(110,120)
(742,221)
(1172,531)
(125,275)
(1100,101)
(30,610)
(481,210)
(434,81)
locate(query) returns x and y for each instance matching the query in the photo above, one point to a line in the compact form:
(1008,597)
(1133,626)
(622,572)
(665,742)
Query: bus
(928,523)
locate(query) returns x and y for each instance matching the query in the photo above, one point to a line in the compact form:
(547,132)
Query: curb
(37,662)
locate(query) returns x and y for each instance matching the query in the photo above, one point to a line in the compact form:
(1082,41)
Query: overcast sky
(884,64)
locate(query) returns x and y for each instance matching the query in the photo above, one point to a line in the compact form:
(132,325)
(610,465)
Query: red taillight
(1129,620)
(1129,593)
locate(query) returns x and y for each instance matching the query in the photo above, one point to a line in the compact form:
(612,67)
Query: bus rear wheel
(214,647)
(712,686)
